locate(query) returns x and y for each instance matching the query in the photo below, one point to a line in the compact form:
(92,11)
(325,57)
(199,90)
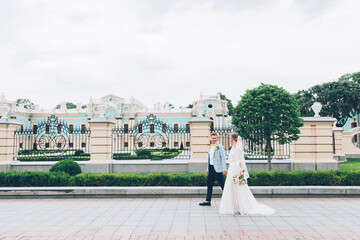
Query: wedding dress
(239,198)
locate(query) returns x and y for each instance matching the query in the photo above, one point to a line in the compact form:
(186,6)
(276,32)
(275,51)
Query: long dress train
(239,198)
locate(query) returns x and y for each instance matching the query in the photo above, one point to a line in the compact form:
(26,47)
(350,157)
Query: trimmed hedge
(37,152)
(39,155)
(31,152)
(78,152)
(83,157)
(143,152)
(277,178)
(130,157)
(153,154)
(34,179)
(122,154)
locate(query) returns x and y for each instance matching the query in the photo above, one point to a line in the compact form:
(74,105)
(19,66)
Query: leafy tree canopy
(27,103)
(340,99)
(69,105)
(351,76)
(305,99)
(229,104)
(268,112)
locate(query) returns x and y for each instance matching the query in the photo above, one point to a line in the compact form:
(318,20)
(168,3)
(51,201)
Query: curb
(178,192)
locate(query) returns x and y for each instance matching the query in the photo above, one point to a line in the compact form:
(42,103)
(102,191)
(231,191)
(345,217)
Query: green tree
(305,100)
(353,76)
(69,105)
(190,105)
(340,99)
(269,111)
(229,103)
(27,103)
(356,77)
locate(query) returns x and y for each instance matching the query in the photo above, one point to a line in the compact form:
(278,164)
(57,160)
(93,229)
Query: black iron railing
(51,139)
(255,150)
(151,134)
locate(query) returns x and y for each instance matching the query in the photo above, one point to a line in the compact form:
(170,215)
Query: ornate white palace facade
(126,112)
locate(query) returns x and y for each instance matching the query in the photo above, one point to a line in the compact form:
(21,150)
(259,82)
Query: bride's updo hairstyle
(234,136)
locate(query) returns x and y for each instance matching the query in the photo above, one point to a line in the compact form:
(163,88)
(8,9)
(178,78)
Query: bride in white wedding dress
(238,198)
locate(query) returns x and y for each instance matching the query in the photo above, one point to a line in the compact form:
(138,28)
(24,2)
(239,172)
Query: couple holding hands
(237,196)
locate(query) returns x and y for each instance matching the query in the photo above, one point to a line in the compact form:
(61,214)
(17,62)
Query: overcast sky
(69,50)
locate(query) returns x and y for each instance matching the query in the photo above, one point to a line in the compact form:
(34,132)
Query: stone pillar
(338,142)
(7,128)
(314,149)
(100,145)
(200,140)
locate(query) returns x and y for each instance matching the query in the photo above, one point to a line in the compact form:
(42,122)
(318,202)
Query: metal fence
(255,150)
(51,139)
(152,134)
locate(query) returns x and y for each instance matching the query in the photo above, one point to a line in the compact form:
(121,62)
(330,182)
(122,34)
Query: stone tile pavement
(176,218)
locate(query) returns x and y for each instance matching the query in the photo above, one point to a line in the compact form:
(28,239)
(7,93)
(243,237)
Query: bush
(24,152)
(33,178)
(122,154)
(37,152)
(130,157)
(143,152)
(78,152)
(67,166)
(83,157)
(277,178)
(153,154)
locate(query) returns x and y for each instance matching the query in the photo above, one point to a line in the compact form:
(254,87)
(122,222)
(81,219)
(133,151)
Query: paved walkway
(299,218)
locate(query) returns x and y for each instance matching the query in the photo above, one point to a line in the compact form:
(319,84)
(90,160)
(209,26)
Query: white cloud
(53,51)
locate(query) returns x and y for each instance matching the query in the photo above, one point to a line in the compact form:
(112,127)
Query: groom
(216,167)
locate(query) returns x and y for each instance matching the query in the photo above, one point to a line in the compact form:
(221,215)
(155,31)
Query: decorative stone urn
(316,107)
(100,110)
(200,109)
(4,110)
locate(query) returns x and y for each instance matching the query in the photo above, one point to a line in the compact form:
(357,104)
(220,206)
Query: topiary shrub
(68,166)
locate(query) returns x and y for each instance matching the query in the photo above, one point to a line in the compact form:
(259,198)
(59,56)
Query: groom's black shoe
(205,204)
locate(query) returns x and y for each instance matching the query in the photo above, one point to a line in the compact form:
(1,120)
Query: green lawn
(350,164)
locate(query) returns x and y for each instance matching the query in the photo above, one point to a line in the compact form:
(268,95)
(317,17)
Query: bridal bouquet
(239,179)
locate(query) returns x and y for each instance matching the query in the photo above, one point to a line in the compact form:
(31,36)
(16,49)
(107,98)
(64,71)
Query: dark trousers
(212,176)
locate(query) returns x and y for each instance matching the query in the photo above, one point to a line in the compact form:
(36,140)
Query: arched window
(176,128)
